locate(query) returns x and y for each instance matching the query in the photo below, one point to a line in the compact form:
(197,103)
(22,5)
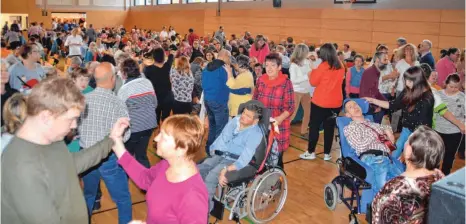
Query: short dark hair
(130,68)
(359,56)
(274,57)
(454,77)
(381,47)
(159,55)
(191,30)
(328,54)
(256,109)
(427,148)
(346,45)
(335,45)
(378,55)
(426,69)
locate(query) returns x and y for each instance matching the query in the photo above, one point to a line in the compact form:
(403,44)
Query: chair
(252,190)
(353,173)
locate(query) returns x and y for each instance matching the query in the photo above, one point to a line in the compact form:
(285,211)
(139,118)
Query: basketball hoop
(347,3)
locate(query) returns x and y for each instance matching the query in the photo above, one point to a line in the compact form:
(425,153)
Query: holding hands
(116,135)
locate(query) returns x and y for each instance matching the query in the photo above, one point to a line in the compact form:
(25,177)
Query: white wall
(6,17)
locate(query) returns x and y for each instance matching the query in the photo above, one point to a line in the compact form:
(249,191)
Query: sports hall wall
(313,21)
(317,21)
(100,16)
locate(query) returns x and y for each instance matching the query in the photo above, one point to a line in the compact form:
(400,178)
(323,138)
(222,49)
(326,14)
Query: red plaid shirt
(277,99)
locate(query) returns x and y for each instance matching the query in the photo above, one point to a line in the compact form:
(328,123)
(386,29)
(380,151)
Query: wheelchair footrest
(218,210)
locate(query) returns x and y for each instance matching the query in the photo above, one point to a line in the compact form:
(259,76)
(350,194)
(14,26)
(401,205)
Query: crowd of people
(120,86)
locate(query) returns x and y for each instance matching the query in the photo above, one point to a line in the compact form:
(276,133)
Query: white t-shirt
(316,63)
(401,66)
(299,77)
(74,49)
(172,33)
(163,35)
(347,54)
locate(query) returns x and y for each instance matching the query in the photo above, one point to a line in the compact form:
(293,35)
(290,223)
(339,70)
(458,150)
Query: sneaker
(308,156)
(327,157)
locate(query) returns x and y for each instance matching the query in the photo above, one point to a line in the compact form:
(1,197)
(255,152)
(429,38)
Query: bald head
(105,75)
(224,55)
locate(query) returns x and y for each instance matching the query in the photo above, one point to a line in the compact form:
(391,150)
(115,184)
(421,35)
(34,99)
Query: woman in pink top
(447,65)
(259,49)
(176,192)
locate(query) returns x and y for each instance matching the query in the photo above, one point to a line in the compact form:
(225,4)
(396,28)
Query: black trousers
(280,161)
(164,107)
(326,116)
(452,142)
(137,146)
(354,95)
(182,107)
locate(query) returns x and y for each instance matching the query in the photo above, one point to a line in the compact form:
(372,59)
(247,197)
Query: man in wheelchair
(363,136)
(233,150)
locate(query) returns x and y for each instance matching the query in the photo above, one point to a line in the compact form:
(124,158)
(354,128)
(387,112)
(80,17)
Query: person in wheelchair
(362,135)
(234,149)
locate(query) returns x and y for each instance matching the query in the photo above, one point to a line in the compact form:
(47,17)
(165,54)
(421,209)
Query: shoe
(97,205)
(308,156)
(327,157)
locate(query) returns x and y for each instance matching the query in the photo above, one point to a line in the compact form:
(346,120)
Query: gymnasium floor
(304,204)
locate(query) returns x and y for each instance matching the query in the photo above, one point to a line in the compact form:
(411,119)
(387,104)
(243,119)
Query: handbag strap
(373,130)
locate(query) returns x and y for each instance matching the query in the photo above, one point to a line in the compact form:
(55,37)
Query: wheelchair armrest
(369,171)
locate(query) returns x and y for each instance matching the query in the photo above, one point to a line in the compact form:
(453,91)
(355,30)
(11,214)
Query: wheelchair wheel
(267,196)
(331,196)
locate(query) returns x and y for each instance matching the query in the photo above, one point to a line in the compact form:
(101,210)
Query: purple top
(370,84)
(168,203)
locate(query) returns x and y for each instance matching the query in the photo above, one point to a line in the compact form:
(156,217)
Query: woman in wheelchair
(233,149)
(405,198)
(363,136)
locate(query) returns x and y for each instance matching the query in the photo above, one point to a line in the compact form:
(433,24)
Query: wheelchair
(354,175)
(261,194)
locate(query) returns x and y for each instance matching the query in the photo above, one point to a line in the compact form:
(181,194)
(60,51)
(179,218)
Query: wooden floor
(306,179)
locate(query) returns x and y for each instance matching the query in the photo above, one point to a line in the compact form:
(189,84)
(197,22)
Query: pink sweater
(168,203)
(259,54)
(444,67)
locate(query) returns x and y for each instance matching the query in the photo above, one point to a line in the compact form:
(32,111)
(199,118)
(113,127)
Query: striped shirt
(139,96)
(103,108)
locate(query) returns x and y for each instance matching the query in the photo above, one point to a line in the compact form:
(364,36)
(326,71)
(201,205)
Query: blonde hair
(186,130)
(14,112)
(299,54)
(56,95)
(402,55)
(183,66)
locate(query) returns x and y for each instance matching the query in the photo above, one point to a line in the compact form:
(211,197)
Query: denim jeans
(400,143)
(137,146)
(383,170)
(117,184)
(218,118)
(210,169)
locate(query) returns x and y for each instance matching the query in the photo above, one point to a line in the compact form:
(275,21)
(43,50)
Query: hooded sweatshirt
(214,79)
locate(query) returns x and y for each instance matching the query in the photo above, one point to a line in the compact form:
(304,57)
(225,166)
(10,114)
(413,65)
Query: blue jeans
(400,143)
(210,169)
(218,118)
(383,170)
(117,184)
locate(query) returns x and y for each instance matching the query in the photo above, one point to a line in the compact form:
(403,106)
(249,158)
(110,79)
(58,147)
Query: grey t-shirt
(19,72)
(456,105)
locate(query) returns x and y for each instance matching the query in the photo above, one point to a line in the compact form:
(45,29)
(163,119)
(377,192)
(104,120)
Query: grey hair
(242,61)
(428,42)
(76,61)
(402,41)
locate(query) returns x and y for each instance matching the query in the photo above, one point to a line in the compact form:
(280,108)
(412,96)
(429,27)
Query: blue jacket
(428,59)
(241,143)
(214,82)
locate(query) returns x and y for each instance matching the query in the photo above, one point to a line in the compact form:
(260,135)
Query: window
(139,2)
(163,2)
(148,2)
(196,1)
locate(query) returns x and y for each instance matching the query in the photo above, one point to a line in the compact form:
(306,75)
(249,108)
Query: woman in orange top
(326,101)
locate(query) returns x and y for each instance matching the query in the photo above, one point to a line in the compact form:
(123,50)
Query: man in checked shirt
(360,134)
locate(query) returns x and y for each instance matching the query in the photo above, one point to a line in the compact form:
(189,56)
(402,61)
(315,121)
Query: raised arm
(87,158)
